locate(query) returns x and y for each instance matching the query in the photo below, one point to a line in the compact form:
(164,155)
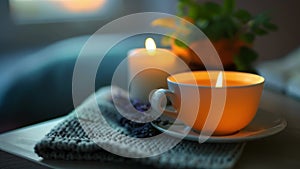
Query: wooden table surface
(278,151)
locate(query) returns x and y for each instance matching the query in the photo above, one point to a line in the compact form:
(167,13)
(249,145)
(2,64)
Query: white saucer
(263,125)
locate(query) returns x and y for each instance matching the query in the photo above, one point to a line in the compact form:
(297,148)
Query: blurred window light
(82,5)
(41,11)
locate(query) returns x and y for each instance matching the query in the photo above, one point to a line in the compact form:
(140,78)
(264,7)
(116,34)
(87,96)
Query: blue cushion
(39,86)
(283,74)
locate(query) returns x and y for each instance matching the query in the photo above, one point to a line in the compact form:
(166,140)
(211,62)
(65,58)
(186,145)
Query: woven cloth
(69,140)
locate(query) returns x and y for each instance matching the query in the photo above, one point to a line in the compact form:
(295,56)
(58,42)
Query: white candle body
(148,70)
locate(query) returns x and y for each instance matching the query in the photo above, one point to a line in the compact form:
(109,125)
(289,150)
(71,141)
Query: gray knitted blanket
(69,141)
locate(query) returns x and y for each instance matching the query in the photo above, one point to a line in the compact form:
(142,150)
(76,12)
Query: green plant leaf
(261,18)
(214,31)
(220,28)
(247,37)
(228,6)
(211,9)
(243,15)
(202,24)
(180,7)
(193,13)
(244,59)
(180,43)
(183,6)
(270,26)
(260,31)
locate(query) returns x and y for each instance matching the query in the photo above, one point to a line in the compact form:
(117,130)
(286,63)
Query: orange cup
(203,106)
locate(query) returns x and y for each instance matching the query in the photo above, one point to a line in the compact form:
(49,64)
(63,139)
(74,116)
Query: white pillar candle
(149,68)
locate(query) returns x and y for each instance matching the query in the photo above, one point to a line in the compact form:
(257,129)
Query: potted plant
(232,32)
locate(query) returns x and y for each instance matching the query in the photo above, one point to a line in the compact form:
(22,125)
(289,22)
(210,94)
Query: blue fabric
(283,74)
(39,85)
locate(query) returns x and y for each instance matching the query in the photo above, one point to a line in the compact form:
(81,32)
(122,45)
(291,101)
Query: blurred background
(40,40)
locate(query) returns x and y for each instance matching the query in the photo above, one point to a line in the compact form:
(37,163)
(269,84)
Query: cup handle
(158,97)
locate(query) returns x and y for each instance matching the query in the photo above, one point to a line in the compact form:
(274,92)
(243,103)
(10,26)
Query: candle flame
(219,82)
(150,44)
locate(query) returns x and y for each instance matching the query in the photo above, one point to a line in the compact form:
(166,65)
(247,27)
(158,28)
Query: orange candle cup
(241,99)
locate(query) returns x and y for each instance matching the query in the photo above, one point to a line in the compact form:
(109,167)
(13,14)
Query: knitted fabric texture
(84,135)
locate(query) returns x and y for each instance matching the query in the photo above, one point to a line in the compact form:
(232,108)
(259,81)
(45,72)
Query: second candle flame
(219,82)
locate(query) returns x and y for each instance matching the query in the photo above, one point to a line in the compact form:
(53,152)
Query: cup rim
(260,79)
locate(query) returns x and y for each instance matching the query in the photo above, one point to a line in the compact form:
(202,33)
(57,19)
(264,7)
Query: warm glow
(82,5)
(150,44)
(219,82)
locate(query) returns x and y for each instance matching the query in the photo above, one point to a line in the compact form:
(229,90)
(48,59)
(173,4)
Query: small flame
(150,44)
(219,82)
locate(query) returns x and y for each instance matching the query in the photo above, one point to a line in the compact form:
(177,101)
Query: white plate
(264,124)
